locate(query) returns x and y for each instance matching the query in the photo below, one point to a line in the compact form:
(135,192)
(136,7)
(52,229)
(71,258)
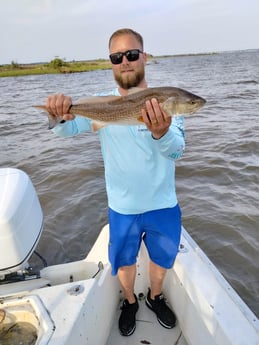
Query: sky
(40,30)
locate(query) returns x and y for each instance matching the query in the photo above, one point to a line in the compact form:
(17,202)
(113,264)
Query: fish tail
(53,120)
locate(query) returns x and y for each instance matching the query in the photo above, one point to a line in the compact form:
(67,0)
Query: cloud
(39,30)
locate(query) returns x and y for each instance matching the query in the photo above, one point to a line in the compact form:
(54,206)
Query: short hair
(126,31)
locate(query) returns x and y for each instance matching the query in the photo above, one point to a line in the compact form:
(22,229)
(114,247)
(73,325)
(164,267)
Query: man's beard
(133,80)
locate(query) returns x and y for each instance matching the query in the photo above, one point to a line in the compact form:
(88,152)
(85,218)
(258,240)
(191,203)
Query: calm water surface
(217,179)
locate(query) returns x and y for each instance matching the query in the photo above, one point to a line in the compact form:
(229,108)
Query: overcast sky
(40,30)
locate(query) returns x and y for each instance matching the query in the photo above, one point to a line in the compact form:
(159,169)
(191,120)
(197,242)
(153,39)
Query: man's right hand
(59,105)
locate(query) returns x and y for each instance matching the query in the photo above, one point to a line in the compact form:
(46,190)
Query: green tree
(14,65)
(57,63)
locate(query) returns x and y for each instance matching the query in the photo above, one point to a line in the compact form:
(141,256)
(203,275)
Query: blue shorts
(159,229)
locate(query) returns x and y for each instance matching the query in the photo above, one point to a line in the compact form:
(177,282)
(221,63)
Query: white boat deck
(86,309)
(148,330)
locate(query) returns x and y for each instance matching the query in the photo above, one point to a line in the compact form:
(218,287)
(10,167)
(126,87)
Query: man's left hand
(156,120)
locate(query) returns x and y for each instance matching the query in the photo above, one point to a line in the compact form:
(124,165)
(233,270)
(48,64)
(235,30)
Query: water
(19,333)
(217,179)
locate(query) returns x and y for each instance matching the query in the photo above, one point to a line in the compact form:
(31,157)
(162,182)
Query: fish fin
(97,99)
(135,89)
(96,125)
(108,98)
(140,118)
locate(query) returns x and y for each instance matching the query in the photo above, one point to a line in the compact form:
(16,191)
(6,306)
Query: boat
(79,302)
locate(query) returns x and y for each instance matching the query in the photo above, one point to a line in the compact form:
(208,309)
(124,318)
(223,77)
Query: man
(140,181)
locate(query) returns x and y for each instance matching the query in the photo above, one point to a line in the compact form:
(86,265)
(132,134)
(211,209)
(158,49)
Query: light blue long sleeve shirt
(139,170)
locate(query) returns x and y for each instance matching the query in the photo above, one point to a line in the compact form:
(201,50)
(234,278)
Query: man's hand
(59,105)
(156,120)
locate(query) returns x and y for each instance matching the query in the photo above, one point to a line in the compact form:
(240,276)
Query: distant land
(57,66)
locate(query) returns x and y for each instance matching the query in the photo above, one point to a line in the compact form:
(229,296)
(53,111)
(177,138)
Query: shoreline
(58,66)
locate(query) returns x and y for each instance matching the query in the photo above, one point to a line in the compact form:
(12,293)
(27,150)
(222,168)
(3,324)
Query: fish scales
(121,110)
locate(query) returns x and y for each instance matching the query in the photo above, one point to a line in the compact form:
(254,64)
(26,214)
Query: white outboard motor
(21,220)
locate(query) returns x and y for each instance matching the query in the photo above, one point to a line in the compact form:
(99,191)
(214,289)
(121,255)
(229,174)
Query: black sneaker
(127,320)
(164,314)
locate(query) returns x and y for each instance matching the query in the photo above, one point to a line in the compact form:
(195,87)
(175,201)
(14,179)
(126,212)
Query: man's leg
(162,237)
(127,275)
(125,239)
(127,320)
(157,276)
(155,299)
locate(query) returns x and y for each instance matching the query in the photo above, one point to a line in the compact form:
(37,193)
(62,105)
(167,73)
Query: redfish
(126,110)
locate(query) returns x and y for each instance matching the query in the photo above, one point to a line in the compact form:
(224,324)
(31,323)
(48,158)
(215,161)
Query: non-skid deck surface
(148,331)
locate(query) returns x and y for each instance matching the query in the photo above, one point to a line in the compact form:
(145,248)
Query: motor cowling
(21,220)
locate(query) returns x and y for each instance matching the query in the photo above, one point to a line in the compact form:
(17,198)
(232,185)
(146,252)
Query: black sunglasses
(131,55)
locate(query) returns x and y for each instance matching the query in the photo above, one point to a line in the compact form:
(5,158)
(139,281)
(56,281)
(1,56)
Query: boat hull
(82,302)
